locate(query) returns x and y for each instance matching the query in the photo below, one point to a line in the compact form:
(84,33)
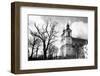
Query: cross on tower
(68,30)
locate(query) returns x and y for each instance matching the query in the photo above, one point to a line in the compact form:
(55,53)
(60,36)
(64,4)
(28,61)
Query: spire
(67,26)
(68,29)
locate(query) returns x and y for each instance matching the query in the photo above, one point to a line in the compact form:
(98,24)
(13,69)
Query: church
(72,48)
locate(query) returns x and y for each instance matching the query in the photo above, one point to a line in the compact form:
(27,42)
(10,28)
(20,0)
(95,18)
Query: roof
(78,41)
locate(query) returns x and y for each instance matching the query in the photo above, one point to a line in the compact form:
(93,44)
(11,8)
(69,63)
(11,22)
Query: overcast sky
(78,25)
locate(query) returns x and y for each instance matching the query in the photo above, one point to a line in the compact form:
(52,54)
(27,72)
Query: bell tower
(67,42)
(68,35)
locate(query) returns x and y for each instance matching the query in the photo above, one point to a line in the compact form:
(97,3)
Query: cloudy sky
(78,25)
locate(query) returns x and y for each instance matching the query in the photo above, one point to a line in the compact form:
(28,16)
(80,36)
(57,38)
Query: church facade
(72,47)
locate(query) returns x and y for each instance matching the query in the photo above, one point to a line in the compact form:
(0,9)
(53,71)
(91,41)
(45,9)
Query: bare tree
(46,36)
(52,51)
(35,43)
(37,48)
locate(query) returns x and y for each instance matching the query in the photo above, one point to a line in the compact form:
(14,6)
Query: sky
(78,25)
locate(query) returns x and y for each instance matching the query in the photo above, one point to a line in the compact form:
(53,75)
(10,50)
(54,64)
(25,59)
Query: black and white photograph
(52,37)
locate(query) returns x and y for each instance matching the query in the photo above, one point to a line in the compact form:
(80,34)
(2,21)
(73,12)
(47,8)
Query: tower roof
(68,28)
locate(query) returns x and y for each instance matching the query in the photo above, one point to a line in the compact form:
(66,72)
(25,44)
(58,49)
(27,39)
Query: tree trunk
(44,50)
(32,52)
(32,49)
(37,51)
(45,54)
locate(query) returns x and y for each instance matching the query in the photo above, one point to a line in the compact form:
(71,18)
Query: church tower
(67,50)
(68,35)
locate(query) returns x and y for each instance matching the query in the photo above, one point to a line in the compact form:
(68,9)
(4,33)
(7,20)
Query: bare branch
(52,41)
(38,36)
(35,34)
(38,30)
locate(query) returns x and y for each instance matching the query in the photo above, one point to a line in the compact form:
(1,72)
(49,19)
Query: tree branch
(38,30)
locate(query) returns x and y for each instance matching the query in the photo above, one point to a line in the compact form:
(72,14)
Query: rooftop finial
(68,24)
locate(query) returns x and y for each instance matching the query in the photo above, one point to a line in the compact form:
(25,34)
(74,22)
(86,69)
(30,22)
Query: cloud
(79,25)
(79,30)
